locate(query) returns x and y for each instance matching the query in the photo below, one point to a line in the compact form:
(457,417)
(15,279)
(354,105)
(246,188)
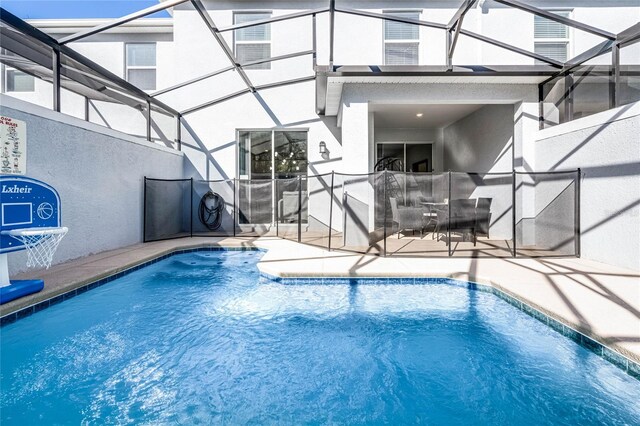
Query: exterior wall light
(323,147)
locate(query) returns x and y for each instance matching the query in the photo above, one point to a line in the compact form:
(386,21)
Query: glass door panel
(255,193)
(390,156)
(290,165)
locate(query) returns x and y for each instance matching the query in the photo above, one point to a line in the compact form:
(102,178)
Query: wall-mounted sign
(13,146)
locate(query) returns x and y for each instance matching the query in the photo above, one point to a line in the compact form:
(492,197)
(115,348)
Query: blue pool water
(200,338)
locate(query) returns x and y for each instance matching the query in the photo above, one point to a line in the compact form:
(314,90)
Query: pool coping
(618,359)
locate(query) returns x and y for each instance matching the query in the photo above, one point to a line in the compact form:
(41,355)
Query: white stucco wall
(482,142)
(605,146)
(98,173)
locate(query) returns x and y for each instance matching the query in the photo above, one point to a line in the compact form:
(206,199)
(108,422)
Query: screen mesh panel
(481,214)
(546,215)
(167,209)
(255,208)
(316,211)
(291,206)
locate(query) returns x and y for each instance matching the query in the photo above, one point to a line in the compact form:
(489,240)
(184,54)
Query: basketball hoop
(30,220)
(40,243)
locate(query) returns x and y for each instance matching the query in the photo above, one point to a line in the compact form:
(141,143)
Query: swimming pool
(201,337)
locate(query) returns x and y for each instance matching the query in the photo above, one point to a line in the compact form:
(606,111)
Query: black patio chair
(405,217)
(483,216)
(463,217)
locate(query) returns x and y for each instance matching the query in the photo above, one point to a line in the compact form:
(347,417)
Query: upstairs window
(551,39)
(401,41)
(18,81)
(252,43)
(141,65)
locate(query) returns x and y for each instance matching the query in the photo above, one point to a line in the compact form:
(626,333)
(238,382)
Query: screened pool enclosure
(457,213)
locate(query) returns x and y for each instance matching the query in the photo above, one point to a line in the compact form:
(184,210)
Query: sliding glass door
(414,157)
(265,155)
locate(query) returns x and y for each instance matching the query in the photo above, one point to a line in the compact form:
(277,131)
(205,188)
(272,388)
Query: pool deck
(599,300)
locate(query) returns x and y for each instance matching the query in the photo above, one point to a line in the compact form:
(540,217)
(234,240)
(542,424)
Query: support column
(359,197)
(86,109)
(614,84)
(55,66)
(314,41)
(149,121)
(448,58)
(179,133)
(568,101)
(332,13)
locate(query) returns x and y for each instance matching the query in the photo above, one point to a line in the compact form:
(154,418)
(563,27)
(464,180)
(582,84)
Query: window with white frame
(551,39)
(401,40)
(252,43)
(18,81)
(140,65)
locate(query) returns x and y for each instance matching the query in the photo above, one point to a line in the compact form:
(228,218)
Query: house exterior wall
(605,146)
(481,141)
(98,173)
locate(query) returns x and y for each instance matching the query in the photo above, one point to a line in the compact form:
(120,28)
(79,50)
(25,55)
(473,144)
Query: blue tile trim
(37,307)
(630,367)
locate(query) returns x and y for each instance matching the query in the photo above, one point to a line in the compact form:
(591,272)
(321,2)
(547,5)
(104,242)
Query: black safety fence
(387,213)
(548,214)
(167,208)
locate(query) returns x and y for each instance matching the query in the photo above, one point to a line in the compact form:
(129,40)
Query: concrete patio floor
(599,300)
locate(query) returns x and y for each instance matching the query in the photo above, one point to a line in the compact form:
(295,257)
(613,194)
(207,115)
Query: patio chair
(405,217)
(442,220)
(483,216)
(288,207)
(463,217)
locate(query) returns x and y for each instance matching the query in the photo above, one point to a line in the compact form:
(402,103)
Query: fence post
(330,207)
(144,211)
(513,212)
(449,218)
(148,122)
(299,208)
(233,215)
(191,211)
(384,225)
(577,212)
(276,207)
(178,133)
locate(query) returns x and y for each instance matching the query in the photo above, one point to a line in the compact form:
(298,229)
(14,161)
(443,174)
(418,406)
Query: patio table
(433,206)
